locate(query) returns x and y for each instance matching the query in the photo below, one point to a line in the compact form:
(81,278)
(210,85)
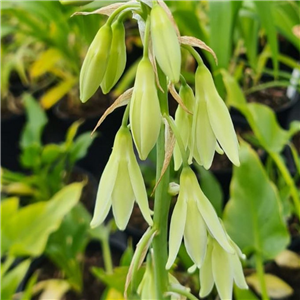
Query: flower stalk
(161,204)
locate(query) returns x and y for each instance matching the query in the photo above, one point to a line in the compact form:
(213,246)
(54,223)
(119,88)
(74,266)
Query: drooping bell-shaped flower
(222,269)
(183,121)
(166,46)
(95,62)
(212,125)
(121,184)
(193,217)
(145,116)
(117,57)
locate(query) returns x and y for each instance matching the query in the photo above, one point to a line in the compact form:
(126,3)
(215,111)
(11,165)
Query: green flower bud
(75,2)
(117,58)
(184,122)
(165,43)
(145,116)
(121,183)
(95,63)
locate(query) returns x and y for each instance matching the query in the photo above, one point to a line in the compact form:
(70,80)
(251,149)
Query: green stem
(178,140)
(183,293)
(107,255)
(120,9)
(288,179)
(194,53)
(146,38)
(161,203)
(125,116)
(261,276)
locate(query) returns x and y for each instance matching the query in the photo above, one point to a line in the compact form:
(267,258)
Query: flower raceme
(221,268)
(145,116)
(212,125)
(121,183)
(192,218)
(166,46)
(95,62)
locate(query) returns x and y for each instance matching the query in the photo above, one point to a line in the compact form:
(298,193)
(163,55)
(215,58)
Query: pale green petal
(106,185)
(206,275)
(194,152)
(122,196)
(176,229)
(222,272)
(218,114)
(219,149)
(222,126)
(139,188)
(210,217)
(195,234)
(177,157)
(238,274)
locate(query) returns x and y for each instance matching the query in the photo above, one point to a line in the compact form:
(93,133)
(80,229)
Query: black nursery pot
(11,128)
(100,150)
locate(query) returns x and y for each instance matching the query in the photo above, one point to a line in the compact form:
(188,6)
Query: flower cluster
(202,126)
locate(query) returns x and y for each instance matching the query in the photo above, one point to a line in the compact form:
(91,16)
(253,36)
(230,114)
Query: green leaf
(286,16)
(80,146)
(26,231)
(261,118)
(265,11)
(118,278)
(222,16)
(240,294)
(72,131)
(253,216)
(30,156)
(36,120)
(11,279)
(249,27)
(51,153)
(264,124)
(67,243)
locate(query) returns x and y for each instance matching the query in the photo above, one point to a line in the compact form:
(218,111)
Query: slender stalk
(125,116)
(261,276)
(120,9)
(194,53)
(107,255)
(146,38)
(161,204)
(288,179)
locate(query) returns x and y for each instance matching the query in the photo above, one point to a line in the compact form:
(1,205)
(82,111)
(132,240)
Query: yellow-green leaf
(56,93)
(44,62)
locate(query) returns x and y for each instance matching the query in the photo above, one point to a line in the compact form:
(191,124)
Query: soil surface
(275,98)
